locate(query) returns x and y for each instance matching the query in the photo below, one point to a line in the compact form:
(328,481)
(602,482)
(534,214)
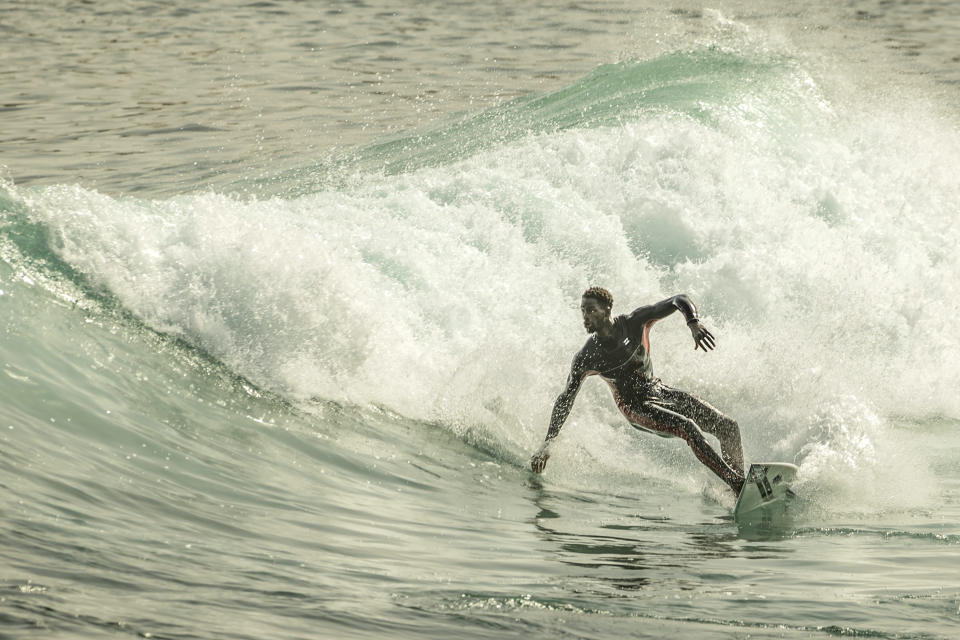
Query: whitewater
(296,397)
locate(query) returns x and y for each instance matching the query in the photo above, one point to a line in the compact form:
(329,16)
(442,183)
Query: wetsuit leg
(712,421)
(653,415)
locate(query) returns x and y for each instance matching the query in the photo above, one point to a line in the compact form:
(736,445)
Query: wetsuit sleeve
(649,314)
(564,402)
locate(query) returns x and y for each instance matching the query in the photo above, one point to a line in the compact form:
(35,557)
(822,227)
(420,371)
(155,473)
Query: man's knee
(734,428)
(727,428)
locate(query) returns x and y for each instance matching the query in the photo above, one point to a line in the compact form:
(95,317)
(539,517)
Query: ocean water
(287,290)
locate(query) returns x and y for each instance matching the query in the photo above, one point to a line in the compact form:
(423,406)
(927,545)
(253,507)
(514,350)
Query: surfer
(618,350)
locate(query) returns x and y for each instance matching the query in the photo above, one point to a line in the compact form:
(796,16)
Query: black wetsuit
(623,361)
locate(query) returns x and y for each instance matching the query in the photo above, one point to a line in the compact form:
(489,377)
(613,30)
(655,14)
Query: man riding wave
(618,350)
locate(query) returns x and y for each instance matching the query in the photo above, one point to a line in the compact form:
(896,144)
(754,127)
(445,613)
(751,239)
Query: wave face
(410,311)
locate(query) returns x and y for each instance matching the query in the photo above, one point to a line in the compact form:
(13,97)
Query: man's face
(594,314)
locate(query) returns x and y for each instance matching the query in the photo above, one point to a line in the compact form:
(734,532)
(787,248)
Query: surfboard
(766,494)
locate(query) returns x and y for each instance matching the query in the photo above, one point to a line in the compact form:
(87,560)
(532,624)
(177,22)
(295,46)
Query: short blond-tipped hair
(601,294)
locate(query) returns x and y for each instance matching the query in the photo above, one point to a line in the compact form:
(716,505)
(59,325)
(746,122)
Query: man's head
(595,306)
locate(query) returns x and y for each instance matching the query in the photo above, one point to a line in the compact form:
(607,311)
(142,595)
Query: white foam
(820,247)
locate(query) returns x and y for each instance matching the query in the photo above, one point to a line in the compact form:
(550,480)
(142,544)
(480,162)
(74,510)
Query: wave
(437,276)
(705,84)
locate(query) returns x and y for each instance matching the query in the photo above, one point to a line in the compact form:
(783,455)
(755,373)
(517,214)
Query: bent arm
(662,309)
(702,338)
(646,316)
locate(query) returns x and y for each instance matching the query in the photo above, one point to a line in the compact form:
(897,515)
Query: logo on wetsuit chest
(626,350)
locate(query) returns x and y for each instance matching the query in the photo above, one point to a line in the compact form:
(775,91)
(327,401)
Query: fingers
(708,340)
(705,340)
(538,462)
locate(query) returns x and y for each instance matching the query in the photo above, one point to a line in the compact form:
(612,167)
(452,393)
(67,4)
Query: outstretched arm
(561,409)
(702,338)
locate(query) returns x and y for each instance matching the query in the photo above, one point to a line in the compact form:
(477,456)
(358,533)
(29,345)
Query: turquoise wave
(708,86)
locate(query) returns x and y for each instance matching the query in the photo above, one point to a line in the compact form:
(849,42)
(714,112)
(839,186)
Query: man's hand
(539,459)
(702,338)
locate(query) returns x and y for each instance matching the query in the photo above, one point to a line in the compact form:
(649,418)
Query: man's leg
(712,421)
(656,417)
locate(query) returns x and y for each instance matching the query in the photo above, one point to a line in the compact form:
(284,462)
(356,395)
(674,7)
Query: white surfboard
(766,493)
